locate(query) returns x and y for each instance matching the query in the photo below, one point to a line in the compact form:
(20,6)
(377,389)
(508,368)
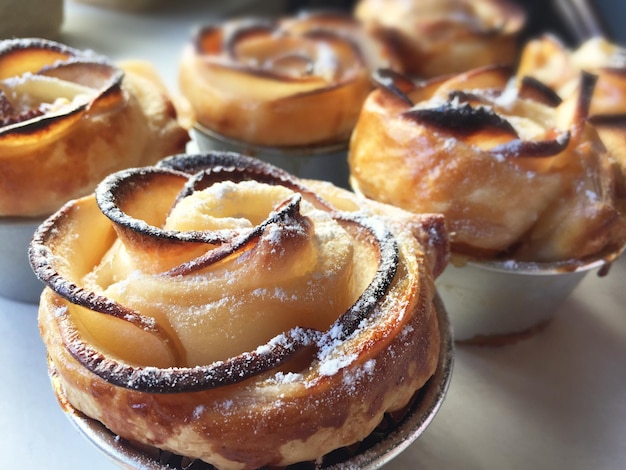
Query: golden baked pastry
(516,175)
(216,307)
(550,61)
(437,37)
(69,118)
(296,81)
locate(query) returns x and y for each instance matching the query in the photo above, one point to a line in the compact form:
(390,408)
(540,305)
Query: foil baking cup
(17,280)
(391,438)
(323,162)
(499,302)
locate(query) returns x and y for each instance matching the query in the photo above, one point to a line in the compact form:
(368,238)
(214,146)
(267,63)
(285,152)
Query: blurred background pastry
(438,37)
(286,90)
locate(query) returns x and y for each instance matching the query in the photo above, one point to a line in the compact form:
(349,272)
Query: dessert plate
(392,437)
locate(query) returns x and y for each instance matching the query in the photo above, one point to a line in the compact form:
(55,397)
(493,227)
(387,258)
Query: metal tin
(420,415)
(322,162)
(495,302)
(17,280)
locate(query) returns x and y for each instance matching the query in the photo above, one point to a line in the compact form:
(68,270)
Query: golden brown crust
(68,120)
(343,286)
(441,37)
(514,176)
(294,82)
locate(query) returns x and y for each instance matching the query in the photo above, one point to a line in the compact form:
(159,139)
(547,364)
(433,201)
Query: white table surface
(554,401)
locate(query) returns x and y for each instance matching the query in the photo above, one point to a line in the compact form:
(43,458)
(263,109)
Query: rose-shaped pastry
(436,37)
(548,60)
(219,308)
(517,176)
(296,81)
(67,119)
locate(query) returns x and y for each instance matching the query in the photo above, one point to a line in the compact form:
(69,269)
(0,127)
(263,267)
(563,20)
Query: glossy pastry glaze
(67,119)
(219,308)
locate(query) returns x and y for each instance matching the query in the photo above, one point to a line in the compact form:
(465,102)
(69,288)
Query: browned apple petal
(241,31)
(229,79)
(533,89)
(67,75)
(104,78)
(137,202)
(585,94)
(52,245)
(532,148)
(233,167)
(481,78)
(20,56)
(187,379)
(394,82)
(97,75)
(40,129)
(617,121)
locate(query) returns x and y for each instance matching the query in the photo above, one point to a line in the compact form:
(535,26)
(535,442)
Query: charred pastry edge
(610,120)
(233,370)
(289,209)
(533,148)
(19,44)
(39,123)
(395,83)
(587,85)
(530,86)
(484,118)
(74,57)
(8,46)
(464,119)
